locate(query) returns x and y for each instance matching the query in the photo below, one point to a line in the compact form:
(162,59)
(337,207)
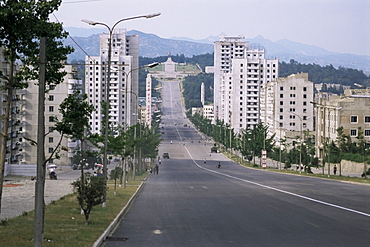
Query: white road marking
(279,190)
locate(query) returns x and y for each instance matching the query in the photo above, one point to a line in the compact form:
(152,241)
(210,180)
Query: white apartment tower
(123,87)
(239,74)
(53,99)
(286,107)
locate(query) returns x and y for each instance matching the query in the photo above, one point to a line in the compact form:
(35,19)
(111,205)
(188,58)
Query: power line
(73,38)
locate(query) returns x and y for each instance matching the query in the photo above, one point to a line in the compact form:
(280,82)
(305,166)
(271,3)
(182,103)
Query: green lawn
(64,225)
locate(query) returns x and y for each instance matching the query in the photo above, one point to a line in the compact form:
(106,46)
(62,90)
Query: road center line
(279,190)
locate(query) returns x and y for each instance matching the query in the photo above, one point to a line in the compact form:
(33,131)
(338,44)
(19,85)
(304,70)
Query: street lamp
(300,140)
(280,126)
(110,29)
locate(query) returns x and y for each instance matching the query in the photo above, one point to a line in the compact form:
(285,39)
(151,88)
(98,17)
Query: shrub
(89,190)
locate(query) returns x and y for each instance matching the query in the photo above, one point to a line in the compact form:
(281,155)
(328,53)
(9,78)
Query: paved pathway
(19,192)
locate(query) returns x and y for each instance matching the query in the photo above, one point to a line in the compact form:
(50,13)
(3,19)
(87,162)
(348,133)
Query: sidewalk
(19,192)
(275,164)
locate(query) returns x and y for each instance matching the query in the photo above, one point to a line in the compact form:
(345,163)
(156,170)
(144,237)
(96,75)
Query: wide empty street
(193,203)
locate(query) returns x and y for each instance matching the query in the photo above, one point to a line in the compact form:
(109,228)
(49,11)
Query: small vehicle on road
(166,156)
(214,149)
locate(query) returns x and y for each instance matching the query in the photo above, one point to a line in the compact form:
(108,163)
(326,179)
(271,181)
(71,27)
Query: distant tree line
(203,60)
(325,74)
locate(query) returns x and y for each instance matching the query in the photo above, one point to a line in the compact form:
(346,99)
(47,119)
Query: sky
(336,25)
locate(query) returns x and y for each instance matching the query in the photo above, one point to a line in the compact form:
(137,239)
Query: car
(166,156)
(214,149)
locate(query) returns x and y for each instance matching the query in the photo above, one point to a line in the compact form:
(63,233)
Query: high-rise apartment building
(123,87)
(240,71)
(22,130)
(15,130)
(53,98)
(286,107)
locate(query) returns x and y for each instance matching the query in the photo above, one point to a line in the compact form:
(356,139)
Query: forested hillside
(327,74)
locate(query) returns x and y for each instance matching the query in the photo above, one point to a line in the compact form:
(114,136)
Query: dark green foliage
(116,173)
(367,173)
(192,85)
(142,84)
(89,193)
(76,111)
(325,74)
(203,60)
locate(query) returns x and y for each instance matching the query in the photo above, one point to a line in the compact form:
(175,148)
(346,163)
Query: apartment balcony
(73,144)
(70,154)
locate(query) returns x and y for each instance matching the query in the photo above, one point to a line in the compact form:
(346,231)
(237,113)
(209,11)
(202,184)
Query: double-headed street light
(110,29)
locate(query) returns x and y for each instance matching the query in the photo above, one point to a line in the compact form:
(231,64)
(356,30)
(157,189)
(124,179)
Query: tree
(89,193)
(76,112)
(22,23)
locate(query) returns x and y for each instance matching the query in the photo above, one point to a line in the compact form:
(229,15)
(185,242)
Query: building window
(50,150)
(353,132)
(51,139)
(367,119)
(281,110)
(51,108)
(367,132)
(281,95)
(51,97)
(281,103)
(281,88)
(304,89)
(353,119)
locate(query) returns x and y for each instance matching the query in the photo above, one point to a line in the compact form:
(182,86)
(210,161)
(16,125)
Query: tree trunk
(4,132)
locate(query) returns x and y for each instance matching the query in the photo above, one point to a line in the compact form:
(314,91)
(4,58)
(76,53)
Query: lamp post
(280,125)
(300,140)
(110,29)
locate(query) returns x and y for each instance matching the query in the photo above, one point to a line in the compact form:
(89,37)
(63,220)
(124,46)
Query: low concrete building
(351,111)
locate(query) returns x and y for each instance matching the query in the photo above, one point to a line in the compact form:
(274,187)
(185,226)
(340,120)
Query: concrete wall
(349,167)
(20,170)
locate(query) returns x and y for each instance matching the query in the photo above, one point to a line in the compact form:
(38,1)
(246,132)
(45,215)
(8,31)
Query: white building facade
(286,107)
(53,99)
(239,74)
(123,86)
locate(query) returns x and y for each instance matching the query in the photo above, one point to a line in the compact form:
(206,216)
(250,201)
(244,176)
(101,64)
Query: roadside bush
(367,173)
(89,192)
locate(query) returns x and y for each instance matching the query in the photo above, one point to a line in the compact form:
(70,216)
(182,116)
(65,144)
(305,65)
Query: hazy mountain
(151,45)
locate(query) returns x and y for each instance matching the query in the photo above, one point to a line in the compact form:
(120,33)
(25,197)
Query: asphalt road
(192,203)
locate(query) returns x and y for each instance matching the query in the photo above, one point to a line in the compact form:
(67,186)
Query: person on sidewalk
(335,169)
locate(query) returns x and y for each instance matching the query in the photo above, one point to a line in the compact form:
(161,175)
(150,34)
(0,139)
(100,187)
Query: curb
(115,223)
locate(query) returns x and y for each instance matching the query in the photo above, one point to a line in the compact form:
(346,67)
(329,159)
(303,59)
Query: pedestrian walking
(335,169)
(219,165)
(156,169)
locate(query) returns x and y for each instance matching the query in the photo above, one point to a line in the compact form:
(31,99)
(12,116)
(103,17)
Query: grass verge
(236,159)
(64,223)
